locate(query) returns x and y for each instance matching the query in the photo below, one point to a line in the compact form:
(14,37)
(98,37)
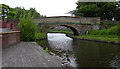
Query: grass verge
(65,32)
(112,38)
(114,30)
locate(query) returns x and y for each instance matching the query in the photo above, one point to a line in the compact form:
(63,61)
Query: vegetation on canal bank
(110,34)
(65,32)
(110,31)
(40,35)
(29,30)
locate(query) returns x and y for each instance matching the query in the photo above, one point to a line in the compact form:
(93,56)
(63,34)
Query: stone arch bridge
(79,25)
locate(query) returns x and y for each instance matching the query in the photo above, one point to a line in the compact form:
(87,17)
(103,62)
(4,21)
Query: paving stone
(28,54)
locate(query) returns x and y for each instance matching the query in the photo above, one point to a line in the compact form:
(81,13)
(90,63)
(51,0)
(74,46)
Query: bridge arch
(76,24)
(75,32)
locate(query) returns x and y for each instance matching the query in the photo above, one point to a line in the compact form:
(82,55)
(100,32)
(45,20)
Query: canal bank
(95,40)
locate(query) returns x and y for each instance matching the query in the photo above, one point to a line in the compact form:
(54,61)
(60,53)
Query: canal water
(82,53)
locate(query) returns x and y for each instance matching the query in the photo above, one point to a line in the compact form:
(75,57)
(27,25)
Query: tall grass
(110,31)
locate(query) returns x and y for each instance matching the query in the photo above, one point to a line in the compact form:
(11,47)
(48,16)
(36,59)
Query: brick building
(9,33)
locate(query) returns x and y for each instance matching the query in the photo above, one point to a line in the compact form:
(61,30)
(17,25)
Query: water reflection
(83,53)
(95,54)
(62,43)
(59,41)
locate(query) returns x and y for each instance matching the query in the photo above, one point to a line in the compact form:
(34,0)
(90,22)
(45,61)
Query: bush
(40,35)
(27,28)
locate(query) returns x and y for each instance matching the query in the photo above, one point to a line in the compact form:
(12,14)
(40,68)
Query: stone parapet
(61,19)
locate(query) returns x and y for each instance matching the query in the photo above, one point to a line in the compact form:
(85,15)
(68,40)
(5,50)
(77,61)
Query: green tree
(6,11)
(27,28)
(34,13)
(87,10)
(105,10)
(21,12)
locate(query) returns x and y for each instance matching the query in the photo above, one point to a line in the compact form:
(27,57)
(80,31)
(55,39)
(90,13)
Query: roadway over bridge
(79,25)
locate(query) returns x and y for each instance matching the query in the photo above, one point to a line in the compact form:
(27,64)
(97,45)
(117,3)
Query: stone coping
(9,32)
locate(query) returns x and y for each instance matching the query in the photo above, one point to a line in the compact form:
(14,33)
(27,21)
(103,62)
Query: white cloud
(45,7)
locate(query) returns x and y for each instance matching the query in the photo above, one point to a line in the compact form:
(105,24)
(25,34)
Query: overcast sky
(44,7)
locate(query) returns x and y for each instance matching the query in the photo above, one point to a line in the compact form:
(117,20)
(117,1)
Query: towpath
(28,54)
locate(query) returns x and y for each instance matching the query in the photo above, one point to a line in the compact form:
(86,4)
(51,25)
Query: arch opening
(46,28)
(75,32)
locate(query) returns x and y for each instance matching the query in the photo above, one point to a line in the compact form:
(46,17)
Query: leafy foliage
(10,13)
(40,28)
(27,28)
(6,11)
(34,13)
(87,10)
(40,35)
(105,10)
(21,12)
